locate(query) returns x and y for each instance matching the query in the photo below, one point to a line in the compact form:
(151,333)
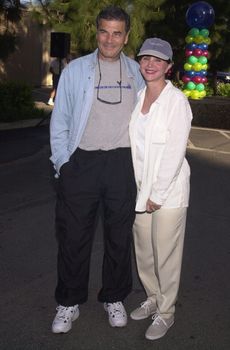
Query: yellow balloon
(195,95)
(187,92)
(189,39)
(207,41)
(187,66)
(197,66)
(199,39)
(202,94)
(204,67)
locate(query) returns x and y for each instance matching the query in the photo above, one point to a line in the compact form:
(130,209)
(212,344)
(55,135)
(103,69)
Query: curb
(19,125)
(28,123)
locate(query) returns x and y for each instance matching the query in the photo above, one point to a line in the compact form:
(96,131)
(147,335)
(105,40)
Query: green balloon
(190,86)
(200,87)
(202,60)
(192,59)
(194,32)
(204,32)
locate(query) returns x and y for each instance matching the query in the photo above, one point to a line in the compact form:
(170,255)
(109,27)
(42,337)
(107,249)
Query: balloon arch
(199,17)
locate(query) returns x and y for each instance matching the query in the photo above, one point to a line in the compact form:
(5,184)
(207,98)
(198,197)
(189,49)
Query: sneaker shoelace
(115,309)
(64,312)
(146,305)
(158,319)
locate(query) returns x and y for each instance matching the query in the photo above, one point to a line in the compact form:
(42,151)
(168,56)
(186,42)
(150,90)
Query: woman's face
(153,68)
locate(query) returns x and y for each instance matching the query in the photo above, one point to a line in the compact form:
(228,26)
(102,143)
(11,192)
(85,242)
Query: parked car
(223,77)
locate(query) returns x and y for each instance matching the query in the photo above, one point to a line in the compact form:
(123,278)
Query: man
(56,66)
(91,154)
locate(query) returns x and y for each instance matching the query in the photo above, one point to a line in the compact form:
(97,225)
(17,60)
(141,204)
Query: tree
(78,18)
(10,12)
(163,18)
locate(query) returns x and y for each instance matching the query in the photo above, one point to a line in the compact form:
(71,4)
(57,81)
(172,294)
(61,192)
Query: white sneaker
(50,102)
(117,314)
(159,327)
(62,322)
(146,309)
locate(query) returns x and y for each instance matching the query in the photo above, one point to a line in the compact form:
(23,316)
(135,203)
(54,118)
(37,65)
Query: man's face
(111,38)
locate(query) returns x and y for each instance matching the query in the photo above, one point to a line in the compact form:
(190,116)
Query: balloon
(202,94)
(199,39)
(190,73)
(197,79)
(200,15)
(190,85)
(187,66)
(207,41)
(188,52)
(195,94)
(197,52)
(185,79)
(186,92)
(194,32)
(205,53)
(200,87)
(204,32)
(202,60)
(192,60)
(203,73)
(189,39)
(191,46)
(197,66)
(205,46)
(204,80)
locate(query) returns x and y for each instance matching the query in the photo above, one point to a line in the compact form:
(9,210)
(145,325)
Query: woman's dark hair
(140,57)
(114,13)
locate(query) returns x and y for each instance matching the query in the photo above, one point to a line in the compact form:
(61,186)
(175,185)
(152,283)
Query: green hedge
(211,113)
(223,89)
(17,103)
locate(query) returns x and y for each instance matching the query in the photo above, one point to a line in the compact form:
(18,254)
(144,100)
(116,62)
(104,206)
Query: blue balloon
(191,46)
(191,73)
(203,73)
(205,46)
(200,15)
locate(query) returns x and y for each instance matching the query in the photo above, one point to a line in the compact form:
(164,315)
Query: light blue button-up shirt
(73,103)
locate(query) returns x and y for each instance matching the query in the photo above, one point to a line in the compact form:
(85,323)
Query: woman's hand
(151,206)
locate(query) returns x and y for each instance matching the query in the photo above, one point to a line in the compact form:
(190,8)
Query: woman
(159,132)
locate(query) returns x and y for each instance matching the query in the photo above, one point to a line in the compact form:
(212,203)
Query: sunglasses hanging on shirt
(99,86)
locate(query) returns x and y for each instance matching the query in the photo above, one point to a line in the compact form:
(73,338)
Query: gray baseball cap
(156,47)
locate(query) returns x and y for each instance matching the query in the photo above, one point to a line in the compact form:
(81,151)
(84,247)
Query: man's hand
(151,206)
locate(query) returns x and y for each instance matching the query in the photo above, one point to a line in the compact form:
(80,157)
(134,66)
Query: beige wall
(30,61)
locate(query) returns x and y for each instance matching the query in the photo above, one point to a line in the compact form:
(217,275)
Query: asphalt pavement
(28,254)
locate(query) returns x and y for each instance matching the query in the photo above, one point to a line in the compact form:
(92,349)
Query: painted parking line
(207,149)
(224,133)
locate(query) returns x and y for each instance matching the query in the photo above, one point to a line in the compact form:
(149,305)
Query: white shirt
(166,172)
(141,124)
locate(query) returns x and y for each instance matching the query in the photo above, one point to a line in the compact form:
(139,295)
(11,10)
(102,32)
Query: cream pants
(159,240)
